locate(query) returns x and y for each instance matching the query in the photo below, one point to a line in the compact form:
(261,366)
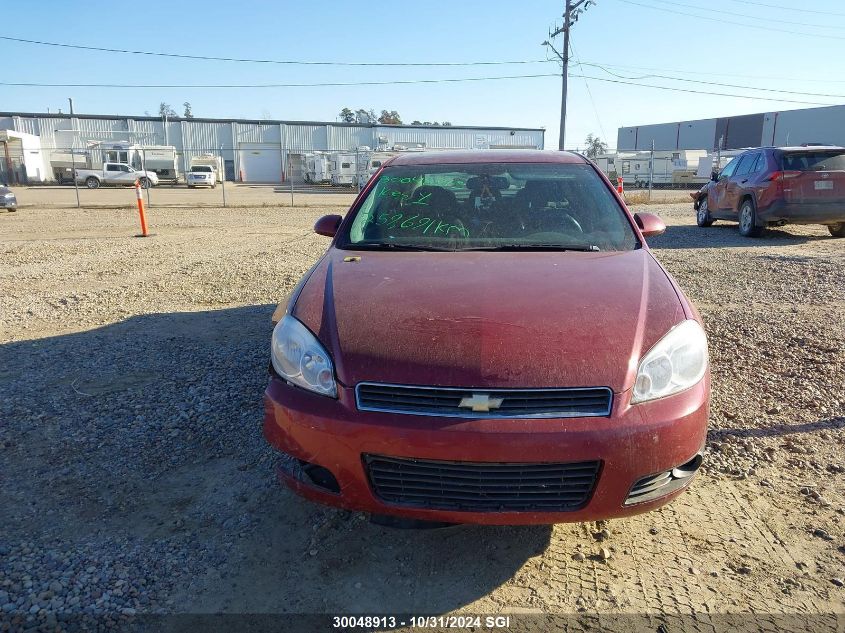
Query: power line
(402,82)
(723,21)
(801,9)
(715,83)
(262,61)
(288,85)
(589,92)
(755,17)
(702,92)
(703,72)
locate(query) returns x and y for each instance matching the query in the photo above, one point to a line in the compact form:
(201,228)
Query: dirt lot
(135,478)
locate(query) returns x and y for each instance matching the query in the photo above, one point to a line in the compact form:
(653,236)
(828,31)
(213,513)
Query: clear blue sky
(632,35)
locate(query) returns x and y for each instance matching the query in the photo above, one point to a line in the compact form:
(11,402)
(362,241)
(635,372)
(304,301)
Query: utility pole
(73,153)
(572,10)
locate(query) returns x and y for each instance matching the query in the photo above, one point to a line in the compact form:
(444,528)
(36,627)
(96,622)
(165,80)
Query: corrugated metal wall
(195,137)
(826,125)
(305,137)
(793,127)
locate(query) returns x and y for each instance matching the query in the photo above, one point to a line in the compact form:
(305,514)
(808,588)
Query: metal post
(223,176)
(290,178)
(144,169)
(73,153)
(719,155)
(651,169)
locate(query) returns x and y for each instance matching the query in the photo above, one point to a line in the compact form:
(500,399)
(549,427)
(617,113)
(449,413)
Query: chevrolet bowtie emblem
(481,402)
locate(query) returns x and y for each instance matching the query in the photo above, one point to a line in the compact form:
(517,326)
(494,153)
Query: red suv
(777,186)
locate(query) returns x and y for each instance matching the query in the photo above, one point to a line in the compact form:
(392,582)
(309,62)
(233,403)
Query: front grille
(503,403)
(481,486)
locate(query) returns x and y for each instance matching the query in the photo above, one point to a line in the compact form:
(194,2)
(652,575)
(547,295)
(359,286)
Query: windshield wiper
(589,248)
(394,246)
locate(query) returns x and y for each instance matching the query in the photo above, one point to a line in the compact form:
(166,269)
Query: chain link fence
(247,175)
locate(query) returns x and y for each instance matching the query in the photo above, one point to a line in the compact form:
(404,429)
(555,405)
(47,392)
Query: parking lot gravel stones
(135,479)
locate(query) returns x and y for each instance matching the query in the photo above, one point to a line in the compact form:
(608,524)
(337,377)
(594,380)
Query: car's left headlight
(676,362)
(298,357)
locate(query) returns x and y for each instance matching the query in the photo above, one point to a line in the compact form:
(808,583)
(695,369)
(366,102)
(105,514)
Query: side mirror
(327,225)
(714,176)
(650,225)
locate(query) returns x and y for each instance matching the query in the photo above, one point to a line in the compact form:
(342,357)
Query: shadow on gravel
(136,449)
(726,235)
(832,424)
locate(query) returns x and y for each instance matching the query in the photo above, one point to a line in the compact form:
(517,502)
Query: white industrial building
(21,158)
(790,127)
(252,151)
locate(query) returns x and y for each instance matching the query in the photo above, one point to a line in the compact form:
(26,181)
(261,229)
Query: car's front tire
(702,215)
(145,183)
(748,219)
(837,230)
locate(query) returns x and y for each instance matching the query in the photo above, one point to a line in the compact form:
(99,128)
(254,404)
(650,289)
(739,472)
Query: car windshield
(201,169)
(490,206)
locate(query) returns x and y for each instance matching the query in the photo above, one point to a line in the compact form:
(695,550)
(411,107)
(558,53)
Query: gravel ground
(136,481)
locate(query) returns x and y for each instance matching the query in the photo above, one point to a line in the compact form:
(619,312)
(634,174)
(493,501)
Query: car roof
(810,148)
(484,156)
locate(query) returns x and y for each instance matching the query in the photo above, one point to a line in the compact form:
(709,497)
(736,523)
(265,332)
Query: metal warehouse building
(252,151)
(793,127)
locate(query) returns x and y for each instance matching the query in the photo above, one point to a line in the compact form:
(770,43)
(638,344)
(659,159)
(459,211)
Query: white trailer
(344,169)
(369,163)
(209,160)
(317,168)
(162,160)
(671,168)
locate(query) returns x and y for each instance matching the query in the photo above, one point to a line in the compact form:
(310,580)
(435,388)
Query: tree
(415,122)
(347,116)
(266,115)
(390,117)
(447,124)
(365,116)
(188,113)
(165,110)
(595,146)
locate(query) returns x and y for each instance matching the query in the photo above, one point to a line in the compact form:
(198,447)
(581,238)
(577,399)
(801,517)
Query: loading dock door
(260,162)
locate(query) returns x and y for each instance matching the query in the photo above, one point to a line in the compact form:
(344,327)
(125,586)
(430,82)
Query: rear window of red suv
(826,160)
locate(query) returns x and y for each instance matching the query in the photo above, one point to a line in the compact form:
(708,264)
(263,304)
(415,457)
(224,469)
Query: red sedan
(488,339)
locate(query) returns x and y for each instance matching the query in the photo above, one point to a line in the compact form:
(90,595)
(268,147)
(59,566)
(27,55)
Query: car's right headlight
(676,362)
(298,357)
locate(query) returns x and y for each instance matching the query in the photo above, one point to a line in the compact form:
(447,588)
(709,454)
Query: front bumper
(200,182)
(801,213)
(634,442)
(8,203)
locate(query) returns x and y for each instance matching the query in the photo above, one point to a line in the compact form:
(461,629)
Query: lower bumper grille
(662,484)
(481,486)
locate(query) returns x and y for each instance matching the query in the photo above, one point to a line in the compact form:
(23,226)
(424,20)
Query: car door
(112,173)
(128,175)
(738,183)
(718,190)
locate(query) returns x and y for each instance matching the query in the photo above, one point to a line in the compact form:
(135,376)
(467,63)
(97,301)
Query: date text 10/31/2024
(422,621)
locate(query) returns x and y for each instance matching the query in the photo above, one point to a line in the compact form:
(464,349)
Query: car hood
(489,319)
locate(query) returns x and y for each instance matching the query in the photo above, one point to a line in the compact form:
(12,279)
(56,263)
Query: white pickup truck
(117,174)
